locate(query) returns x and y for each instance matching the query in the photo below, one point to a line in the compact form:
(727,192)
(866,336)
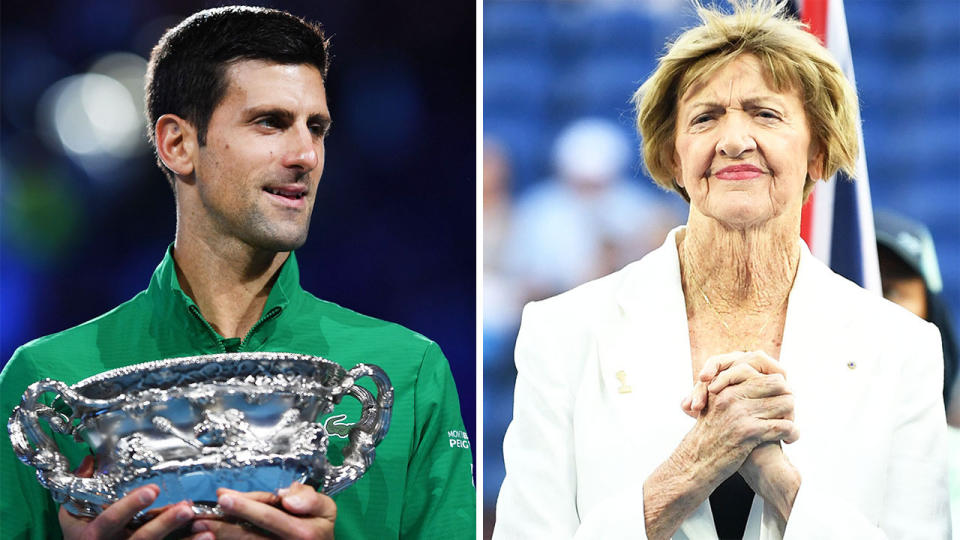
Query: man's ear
(176,144)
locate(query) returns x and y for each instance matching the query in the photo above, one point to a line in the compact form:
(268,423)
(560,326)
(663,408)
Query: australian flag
(837,220)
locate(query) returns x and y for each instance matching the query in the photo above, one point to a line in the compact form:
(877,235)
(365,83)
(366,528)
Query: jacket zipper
(266,316)
(196,312)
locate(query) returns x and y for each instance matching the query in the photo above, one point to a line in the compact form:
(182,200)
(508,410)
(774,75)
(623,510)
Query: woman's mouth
(738,172)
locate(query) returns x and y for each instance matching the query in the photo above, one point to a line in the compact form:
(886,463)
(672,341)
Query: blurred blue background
(86,213)
(547,64)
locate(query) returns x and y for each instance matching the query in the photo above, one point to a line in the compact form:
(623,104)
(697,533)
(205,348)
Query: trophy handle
(35,448)
(365,434)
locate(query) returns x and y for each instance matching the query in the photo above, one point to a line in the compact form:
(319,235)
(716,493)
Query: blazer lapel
(644,359)
(810,344)
(648,346)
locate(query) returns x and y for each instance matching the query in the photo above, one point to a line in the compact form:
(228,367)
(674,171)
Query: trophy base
(201,486)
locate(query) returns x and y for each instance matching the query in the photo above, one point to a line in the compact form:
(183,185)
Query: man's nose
(735,137)
(304,149)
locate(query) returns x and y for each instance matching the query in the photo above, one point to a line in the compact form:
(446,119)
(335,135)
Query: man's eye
(268,123)
(764,113)
(318,130)
(702,118)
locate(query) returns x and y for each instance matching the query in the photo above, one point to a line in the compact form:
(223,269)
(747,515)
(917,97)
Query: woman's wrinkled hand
(745,404)
(765,468)
(728,369)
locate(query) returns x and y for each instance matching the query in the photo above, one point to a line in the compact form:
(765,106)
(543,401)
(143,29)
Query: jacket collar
(181,329)
(653,285)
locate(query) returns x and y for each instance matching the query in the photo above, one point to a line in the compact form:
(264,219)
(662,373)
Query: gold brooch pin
(624,387)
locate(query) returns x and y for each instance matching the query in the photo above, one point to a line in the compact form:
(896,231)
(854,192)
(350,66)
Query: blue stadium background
(547,63)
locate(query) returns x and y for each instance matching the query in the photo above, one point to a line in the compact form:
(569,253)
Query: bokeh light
(96,117)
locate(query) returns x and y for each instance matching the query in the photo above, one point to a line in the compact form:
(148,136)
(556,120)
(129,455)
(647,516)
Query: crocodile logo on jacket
(335,427)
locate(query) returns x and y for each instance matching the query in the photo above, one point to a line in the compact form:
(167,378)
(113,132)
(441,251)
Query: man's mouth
(289,193)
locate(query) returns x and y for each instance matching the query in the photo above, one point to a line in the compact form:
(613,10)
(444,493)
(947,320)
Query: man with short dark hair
(238,114)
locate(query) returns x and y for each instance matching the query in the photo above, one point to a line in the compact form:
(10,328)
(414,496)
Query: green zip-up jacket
(420,483)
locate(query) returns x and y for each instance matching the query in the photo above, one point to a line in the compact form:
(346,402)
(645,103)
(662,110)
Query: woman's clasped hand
(744,409)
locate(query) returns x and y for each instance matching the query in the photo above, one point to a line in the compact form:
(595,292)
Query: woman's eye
(702,118)
(768,114)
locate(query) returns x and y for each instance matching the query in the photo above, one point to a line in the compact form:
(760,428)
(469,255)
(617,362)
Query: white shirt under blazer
(866,375)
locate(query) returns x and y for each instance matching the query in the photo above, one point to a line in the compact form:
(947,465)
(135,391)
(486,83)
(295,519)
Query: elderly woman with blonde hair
(728,384)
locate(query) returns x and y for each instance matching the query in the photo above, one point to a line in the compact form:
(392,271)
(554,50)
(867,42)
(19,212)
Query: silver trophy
(246,421)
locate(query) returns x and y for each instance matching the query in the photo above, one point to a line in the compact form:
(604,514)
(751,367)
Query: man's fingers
(304,513)
(115,518)
(303,499)
(264,497)
(216,529)
(228,530)
(168,521)
(266,517)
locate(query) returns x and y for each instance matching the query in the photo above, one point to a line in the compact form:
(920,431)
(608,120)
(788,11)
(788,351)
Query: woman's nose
(735,137)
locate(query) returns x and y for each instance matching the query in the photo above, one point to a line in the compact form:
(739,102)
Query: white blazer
(866,376)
